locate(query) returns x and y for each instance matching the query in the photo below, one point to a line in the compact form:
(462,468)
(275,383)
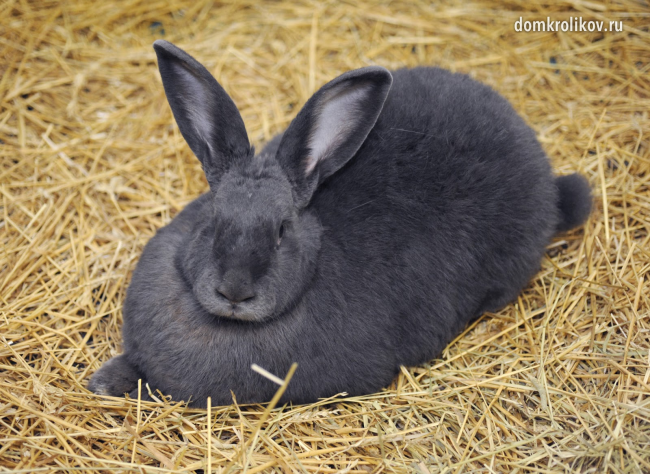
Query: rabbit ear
(331,127)
(205,114)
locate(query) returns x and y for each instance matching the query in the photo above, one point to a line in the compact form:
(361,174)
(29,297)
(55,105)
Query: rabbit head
(257,246)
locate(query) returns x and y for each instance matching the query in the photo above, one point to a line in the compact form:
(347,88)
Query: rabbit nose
(236,290)
(235,296)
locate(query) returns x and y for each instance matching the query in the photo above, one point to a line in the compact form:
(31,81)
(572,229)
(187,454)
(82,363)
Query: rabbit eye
(280,234)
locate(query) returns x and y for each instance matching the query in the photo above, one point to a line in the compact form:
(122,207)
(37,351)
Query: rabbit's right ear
(331,127)
(206,116)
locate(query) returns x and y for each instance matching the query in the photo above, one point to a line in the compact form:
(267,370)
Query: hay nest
(92,164)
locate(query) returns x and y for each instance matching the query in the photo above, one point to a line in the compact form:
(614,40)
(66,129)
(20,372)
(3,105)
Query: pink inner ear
(335,121)
(196,105)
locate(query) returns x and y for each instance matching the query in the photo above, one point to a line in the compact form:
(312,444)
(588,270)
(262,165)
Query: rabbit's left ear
(205,114)
(331,127)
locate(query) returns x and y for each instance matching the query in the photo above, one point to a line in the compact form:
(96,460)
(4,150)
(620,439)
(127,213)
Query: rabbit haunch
(396,207)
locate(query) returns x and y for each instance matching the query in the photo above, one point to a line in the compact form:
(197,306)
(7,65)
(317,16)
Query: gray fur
(428,202)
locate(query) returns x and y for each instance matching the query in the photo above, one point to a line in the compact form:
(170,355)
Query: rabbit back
(445,211)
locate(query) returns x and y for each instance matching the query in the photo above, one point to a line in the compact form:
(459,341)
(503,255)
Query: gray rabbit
(395,208)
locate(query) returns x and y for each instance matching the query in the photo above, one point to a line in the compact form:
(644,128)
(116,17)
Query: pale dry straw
(91,164)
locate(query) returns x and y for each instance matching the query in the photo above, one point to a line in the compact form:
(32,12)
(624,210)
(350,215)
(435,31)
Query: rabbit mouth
(254,309)
(257,306)
(240,312)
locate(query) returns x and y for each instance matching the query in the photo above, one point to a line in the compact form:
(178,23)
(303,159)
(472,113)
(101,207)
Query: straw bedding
(91,164)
